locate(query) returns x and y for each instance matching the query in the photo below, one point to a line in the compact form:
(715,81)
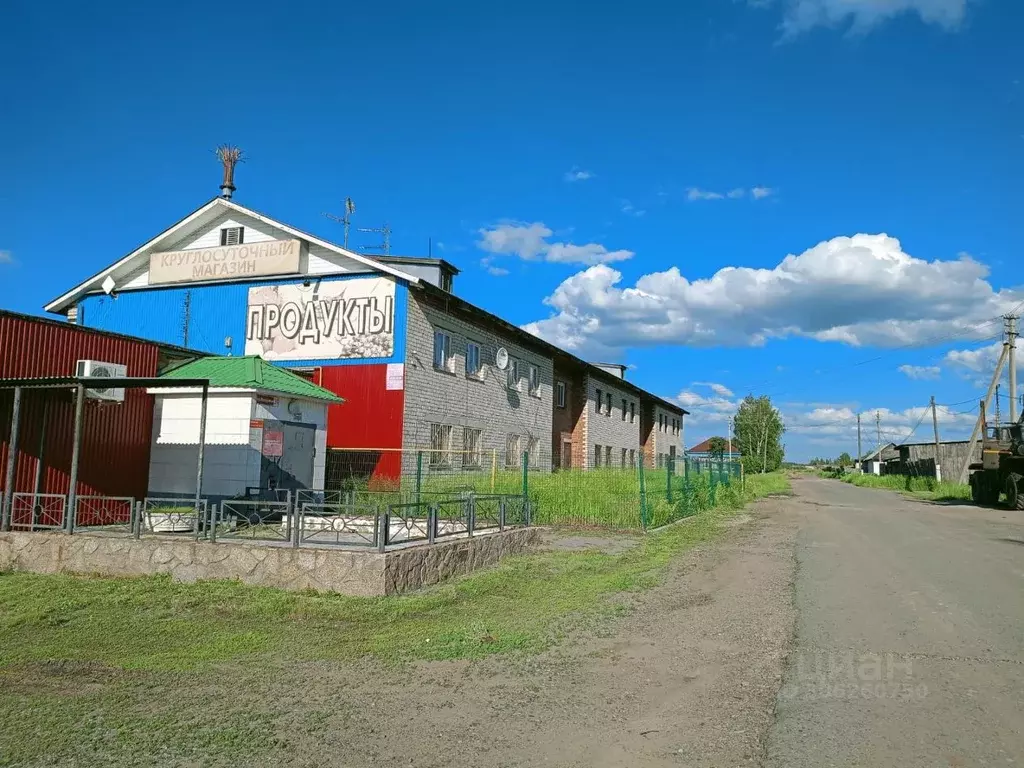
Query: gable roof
(873,454)
(252,372)
(705,447)
(209,211)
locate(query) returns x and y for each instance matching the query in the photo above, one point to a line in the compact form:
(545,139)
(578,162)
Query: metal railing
(243,519)
(172,516)
(342,525)
(107,513)
(38,511)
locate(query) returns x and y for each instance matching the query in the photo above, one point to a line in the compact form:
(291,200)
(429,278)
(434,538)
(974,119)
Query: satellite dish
(501,358)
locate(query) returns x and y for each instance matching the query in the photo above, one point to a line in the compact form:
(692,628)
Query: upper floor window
(599,400)
(513,374)
(623,409)
(472,359)
(560,394)
(442,351)
(632,412)
(608,404)
(232,235)
(534,381)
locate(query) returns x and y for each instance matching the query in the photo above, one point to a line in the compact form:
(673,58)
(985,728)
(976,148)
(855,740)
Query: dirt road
(909,645)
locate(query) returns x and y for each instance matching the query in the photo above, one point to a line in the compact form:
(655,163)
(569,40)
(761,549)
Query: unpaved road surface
(909,643)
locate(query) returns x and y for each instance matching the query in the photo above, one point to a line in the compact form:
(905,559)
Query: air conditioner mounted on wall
(97,369)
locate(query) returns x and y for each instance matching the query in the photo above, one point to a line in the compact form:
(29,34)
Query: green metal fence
(620,493)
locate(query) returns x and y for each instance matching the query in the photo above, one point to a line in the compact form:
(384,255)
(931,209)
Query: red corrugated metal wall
(371,417)
(116,436)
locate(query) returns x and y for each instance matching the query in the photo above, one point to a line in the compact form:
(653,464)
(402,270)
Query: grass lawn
(919,487)
(94,670)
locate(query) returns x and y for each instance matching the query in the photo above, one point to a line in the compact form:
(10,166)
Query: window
(473,454)
(623,458)
(623,409)
(513,451)
(560,394)
(597,455)
(533,449)
(513,374)
(632,412)
(442,351)
(534,381)
(632,457)
(608,404)
(608,455)
(440,445)
(600,400)
(232,236)
(473,359)
(446,282)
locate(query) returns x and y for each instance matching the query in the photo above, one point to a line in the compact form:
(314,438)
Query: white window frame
(533,451)
(560,394)
(474,454)
(447,359)
(440,445)
(473,350)
(533,380)
(513,450)
(513,380)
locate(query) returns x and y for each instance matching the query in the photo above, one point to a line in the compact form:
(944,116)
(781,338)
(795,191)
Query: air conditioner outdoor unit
(97,369)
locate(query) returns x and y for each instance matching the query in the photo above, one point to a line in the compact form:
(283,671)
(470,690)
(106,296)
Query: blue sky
(591,167)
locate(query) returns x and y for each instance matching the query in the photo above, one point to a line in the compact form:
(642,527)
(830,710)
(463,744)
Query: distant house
(881,461)
(919,458)
(702,450)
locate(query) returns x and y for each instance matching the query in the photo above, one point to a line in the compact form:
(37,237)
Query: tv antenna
(346,219)
(385,233)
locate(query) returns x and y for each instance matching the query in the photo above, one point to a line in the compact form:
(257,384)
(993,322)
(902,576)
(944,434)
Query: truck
(1001,469)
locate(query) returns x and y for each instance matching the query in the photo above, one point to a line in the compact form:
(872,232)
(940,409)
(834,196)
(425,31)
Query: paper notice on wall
(273,444)
(395,376)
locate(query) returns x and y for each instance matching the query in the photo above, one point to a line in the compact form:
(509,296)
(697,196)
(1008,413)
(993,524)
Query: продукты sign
(344,319)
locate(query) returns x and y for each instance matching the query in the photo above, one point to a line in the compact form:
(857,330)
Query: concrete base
(350,572)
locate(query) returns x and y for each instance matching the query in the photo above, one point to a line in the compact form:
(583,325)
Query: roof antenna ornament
(229,157)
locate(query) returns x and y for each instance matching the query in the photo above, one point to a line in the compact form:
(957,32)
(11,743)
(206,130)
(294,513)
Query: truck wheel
(1014,491)
(976,493)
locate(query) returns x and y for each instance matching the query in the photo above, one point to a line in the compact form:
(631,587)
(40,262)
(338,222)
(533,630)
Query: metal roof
(251,372)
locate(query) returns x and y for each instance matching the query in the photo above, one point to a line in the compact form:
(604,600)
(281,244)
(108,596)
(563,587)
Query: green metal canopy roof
(251,372)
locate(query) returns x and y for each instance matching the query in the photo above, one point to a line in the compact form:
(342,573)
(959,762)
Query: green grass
(99,671)
(920,487)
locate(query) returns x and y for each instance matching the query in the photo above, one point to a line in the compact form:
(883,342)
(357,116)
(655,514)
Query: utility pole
(935,426)
(1011,342)
(998,417)
(962,478)
(730,440)
(878,430)
(860,451)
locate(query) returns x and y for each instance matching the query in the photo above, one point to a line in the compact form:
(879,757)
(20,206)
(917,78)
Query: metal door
(293,469)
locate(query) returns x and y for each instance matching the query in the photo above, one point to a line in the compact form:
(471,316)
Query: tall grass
(925,487)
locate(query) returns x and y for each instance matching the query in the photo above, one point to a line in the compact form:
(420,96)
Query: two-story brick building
(418,366)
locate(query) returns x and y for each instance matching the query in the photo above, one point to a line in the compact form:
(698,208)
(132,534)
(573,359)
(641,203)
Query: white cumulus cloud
(920,371)
(695,193)
(577,174)
(6,258)
(859,290)
(530,242)
(802,15)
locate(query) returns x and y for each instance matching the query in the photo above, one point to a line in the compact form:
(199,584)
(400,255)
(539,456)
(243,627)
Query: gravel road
(909,643)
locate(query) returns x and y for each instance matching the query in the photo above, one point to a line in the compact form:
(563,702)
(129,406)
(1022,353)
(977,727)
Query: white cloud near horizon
(799,16)
(859,290)
(529,241)
(927,372)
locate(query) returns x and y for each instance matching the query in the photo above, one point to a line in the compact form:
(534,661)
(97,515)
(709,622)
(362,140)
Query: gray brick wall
(433,396)
(610,430)
(665,436)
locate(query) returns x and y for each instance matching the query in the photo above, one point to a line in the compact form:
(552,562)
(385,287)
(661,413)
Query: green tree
(717,446)
(758,435)
(845,460)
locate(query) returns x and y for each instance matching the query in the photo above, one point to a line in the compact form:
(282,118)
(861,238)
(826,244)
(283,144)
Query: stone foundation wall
(350,572)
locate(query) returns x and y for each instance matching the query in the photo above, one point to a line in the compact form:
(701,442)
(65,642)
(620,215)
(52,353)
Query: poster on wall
(340,320)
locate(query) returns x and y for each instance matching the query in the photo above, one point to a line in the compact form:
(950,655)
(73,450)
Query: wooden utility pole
(1011,342)
(962,477)
(998,416)
(935,426)
(860,451)
(878,430)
